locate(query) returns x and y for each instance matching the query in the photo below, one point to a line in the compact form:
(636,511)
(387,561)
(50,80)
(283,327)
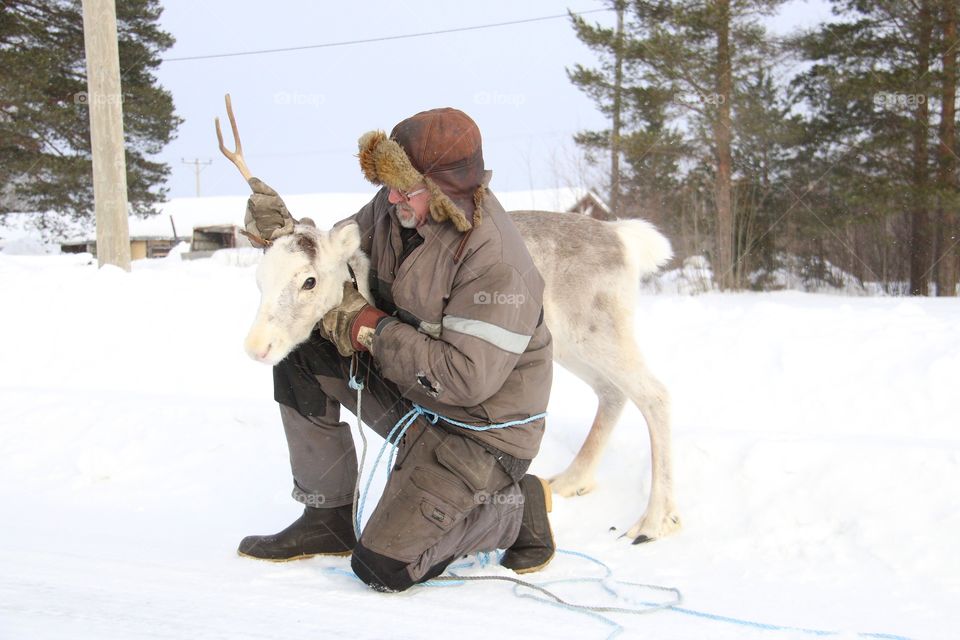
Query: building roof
(324,208)
(590,198)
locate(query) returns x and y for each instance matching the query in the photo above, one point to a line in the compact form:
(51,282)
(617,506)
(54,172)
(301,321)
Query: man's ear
(345,239)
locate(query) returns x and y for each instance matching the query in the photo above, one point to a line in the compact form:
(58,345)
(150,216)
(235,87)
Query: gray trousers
(446,496)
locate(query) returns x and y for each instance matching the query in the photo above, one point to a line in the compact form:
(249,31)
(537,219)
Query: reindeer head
(300,278)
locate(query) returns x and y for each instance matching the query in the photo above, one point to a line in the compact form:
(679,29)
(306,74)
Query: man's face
(412,206)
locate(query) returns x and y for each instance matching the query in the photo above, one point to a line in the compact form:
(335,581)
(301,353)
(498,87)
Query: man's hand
(266,215)
(350,326)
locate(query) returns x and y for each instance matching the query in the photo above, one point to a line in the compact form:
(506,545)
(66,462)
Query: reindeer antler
(256,240)
(236,156)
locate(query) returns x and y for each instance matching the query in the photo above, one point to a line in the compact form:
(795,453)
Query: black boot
(534,547)
(326,532)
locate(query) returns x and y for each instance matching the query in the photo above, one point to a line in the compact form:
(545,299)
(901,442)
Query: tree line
(827,149)
(45,159)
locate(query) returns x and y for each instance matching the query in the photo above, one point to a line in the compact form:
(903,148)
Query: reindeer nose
(258,346)
(263,354)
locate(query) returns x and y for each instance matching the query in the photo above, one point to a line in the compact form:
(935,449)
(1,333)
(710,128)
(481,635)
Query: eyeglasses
(407,196)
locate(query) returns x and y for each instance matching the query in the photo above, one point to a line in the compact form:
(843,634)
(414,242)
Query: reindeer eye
(309,283)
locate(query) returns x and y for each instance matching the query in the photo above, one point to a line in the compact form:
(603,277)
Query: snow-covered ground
(816,451)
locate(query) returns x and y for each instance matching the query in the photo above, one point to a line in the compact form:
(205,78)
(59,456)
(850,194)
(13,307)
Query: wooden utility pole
(198,167)
(104,101)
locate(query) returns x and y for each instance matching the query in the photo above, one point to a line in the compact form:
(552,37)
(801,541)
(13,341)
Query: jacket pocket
(438,515)
(443,490)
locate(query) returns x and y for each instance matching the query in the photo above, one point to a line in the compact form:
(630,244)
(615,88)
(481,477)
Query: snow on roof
(324,208)
(595,199)
(187,213)
(561,199)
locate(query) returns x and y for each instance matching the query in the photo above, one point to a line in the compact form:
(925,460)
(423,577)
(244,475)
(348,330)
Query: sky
(300,113)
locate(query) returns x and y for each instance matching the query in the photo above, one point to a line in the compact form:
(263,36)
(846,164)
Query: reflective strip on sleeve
(497,336)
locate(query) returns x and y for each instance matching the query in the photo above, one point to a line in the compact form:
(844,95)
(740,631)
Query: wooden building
(140,246)
(591,205)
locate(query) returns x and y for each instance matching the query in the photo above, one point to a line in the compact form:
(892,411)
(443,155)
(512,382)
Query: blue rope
(402,425)
(606,582)
(502,425)
(776,627)
(355,383)
(400,429)
(609,585)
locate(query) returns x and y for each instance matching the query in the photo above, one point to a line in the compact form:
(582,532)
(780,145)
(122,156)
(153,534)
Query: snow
(815,451)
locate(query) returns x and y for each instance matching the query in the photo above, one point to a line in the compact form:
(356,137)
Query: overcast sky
(301,112)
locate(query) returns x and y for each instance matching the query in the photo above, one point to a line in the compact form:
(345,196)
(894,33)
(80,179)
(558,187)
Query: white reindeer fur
(288,312)
(591,271)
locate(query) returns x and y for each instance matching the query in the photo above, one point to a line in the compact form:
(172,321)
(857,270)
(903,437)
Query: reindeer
(591,270)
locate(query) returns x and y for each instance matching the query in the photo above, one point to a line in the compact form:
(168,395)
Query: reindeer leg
(653,400)
(579,477)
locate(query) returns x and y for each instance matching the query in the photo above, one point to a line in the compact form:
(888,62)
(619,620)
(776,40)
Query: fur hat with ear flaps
(440,148)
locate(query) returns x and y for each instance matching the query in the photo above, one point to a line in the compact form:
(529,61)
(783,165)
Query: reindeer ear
(345,239)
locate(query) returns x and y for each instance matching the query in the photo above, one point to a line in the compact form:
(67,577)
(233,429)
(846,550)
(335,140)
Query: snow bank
(815,448)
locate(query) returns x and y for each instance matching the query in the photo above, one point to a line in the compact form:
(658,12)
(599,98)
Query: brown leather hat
(441,147)
(444,145)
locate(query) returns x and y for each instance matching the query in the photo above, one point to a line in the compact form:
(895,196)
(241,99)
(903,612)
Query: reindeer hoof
(569,485)
(648,529)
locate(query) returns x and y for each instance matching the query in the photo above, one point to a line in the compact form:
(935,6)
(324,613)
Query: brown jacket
(470,342)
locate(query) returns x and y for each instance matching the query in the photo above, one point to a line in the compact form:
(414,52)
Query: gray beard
(407,223)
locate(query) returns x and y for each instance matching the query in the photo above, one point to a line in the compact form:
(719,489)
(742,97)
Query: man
(457,328)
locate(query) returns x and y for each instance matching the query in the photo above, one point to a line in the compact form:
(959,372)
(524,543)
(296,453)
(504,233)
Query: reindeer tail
(647,248)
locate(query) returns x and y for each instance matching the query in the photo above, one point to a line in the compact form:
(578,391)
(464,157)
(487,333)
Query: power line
(382,39)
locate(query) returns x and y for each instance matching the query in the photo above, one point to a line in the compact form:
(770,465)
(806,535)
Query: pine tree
(947,265)
(766,134)
(686,66)
(873,92)
(45,162)
(645,150)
